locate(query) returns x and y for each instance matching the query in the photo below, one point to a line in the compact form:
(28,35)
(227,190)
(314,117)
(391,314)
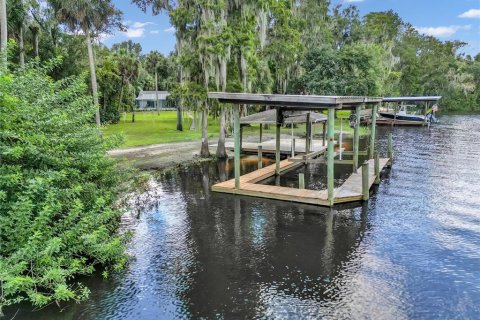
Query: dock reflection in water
(411,252)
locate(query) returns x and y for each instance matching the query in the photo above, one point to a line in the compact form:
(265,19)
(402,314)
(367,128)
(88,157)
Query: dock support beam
(373,132)
(365,182)
(261,132)
(277,142)
(324,139)
(236,144)
(301,181)
(377,168)
(293,147)
(356,139)
(308,135)
(330,156)
(390,147)
(260,157)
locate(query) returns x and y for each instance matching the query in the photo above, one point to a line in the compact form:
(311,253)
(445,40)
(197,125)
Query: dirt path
(161,156)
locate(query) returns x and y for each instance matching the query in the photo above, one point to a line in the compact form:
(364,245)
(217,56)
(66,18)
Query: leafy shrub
(57,190)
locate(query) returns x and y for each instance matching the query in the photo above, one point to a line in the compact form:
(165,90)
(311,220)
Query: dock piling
(277,143)
(293,147)
(236,142)
(260,157)
(365,182)
(373,131)
(330,155)
(377,168)
(390,146)
(356,139)
(301,181)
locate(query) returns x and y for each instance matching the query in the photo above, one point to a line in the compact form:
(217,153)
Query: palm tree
(153,60)
(3,33)
(89,16)
(129,67)
(17,19)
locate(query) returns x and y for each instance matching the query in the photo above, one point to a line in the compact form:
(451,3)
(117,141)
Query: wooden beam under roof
(297,102)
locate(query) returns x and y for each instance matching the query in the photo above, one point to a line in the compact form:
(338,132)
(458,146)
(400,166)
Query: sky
(445,19)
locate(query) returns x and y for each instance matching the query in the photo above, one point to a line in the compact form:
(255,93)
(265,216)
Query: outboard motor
(353,120)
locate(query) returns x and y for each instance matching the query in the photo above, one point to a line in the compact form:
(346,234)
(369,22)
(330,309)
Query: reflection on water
(411,252)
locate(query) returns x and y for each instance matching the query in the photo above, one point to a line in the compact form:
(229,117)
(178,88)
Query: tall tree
(129,67)
(3,33)
(17,20)
(90,17)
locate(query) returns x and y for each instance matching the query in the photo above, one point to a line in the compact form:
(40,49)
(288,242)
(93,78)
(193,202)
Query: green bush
(58,190)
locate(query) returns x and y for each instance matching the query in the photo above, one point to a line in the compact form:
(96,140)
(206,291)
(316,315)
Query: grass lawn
(151,128)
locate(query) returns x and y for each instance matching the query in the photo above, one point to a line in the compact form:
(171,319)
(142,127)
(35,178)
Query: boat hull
(400,117)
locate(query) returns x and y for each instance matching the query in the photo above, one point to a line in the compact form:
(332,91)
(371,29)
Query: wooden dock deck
(349,191)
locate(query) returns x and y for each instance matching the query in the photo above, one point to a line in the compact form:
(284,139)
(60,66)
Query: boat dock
(351,190)
(356,187)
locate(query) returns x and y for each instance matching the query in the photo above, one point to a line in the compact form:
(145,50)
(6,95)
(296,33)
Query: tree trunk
(179,118)
(34,29)
(3,33)
(221,152)
(205,152)
(133,107)
(93,79)
(21,47)
(193,126)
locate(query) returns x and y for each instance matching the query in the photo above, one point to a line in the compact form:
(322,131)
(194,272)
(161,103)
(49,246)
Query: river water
(412,251)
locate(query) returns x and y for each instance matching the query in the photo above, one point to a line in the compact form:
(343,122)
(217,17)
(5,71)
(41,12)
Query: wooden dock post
(340,140)
(365,182)
(261,132)
(324,139)
(241,138)
(301,181)
(260,157)
(308,134)
(373,131)
(377,168)
(390,146)
(356,139)
(330,156)
(277,142)
(293,147)
(236,144)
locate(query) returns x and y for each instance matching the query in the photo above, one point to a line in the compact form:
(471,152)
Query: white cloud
(472,13)
(442,32)
(170,30)
(155,31)
(136,29)
(139,25)
(134,33)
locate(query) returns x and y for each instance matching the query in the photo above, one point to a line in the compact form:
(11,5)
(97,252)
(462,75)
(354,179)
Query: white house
(146,100)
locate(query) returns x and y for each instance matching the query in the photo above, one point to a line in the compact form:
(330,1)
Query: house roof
(293,101)
(270,116)
(151,96)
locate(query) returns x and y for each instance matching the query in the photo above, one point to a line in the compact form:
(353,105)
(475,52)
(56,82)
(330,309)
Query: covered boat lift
(291,118)
(401,101)
(355,188)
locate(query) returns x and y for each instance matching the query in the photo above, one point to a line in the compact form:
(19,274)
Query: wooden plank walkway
(349,191)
